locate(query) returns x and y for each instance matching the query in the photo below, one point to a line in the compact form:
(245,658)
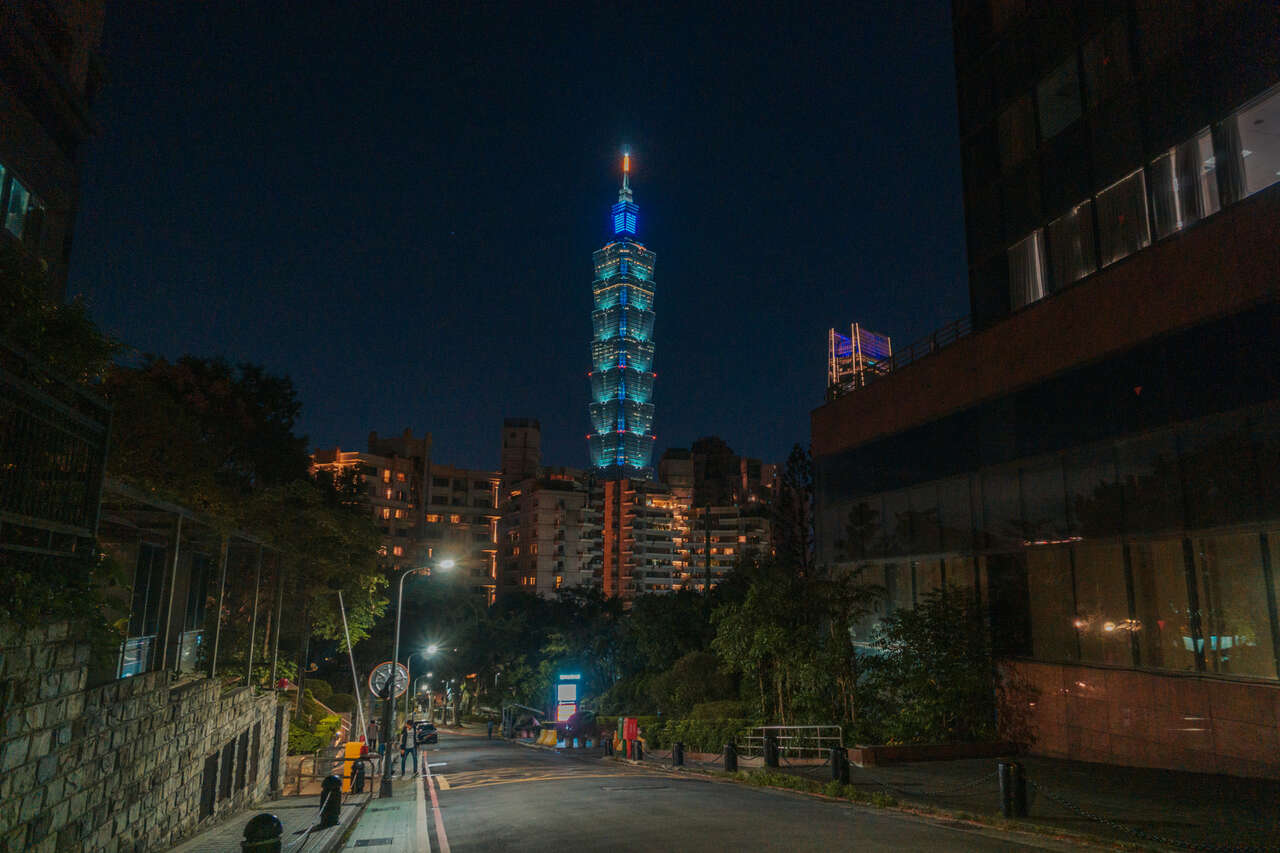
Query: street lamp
(426,653)
(388,709)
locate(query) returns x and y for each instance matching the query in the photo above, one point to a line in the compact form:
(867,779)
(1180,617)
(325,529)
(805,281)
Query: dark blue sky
(397,206)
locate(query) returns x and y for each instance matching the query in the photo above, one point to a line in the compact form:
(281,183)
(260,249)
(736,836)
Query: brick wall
(121,766)
(1149,719)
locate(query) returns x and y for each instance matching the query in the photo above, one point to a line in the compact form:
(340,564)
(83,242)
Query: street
(492,795)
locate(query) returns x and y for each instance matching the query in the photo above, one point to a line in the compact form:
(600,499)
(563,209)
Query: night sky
(396,206)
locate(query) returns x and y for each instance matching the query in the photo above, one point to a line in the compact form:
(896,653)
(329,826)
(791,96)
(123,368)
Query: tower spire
(624,194)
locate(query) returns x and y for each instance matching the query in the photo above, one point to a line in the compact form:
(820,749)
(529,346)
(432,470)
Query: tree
(59,335)
(793,513)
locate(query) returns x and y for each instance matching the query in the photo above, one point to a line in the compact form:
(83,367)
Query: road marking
(442,783)
(424,838)
(441,837)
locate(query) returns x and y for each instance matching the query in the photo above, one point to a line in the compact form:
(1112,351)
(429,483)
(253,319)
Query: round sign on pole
(381,672)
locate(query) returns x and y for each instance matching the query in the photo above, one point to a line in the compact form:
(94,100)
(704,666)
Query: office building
(1096,459)
(49,75)
(621,407)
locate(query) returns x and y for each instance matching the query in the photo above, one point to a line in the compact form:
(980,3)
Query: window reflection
(1071,245)
(1160,598)
(1184,186)
(1053,612)
(1059,98)
(1026,270)
(1102,604)
(1234,621)
(1122,218)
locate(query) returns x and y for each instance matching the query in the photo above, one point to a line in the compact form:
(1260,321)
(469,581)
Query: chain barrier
(300,842)
(1202,847)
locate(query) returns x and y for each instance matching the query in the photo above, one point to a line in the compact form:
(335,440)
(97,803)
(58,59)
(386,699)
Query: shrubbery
(696,735)
(319,688)
(343,703)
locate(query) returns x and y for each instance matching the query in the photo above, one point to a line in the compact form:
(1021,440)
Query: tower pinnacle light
(621,408)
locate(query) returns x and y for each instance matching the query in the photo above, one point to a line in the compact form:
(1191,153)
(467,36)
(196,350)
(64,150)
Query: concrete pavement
(492,795)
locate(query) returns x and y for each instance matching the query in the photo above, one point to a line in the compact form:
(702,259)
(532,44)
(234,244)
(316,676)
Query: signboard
(381,672)
(567,696)
(630,729)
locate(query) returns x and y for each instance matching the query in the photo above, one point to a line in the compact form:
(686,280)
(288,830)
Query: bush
(302,741)
(343,703)
(704,735)
(320,689)
(326,728)
(692,679)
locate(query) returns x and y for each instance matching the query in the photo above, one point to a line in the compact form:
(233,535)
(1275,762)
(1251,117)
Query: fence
(793,741)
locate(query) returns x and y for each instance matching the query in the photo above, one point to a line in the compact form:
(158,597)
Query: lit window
(386,475)
(400,476)
(1253,135)
(533,548)
(388,494)
(399,513)
(455,519)
(386,513)
(398,551)
(1122,218)
(1026,270)
(1184,184)
(433,518)
(559,580)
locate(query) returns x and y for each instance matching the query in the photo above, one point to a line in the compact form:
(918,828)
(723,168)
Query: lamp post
(388,708)
(426,653)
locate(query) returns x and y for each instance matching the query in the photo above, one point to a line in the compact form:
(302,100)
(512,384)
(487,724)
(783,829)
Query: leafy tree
(695,678)
(933,680)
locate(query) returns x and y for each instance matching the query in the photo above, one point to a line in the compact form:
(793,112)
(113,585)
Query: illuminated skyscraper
(621,444)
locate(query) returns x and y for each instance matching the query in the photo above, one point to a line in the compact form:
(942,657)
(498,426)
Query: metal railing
(930,344)
(793,741)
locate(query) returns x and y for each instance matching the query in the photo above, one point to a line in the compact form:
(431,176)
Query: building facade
(425,511)
(639,538)
(1095,460)
(550,534)
(49,75)
(621,407)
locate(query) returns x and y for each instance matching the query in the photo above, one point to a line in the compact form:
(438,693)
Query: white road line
(420,806)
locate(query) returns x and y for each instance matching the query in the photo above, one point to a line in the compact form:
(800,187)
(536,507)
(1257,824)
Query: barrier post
(770,749)
(730,758)
(677,754)
(1013,789)
(262,834)
(835,763)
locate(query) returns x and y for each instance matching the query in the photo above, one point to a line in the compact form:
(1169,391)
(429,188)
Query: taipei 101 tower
(621,442)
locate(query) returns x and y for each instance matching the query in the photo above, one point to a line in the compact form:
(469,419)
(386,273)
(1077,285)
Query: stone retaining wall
(133,765)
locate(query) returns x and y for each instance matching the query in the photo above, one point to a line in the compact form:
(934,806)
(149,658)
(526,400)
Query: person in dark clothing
(408,746)
(490,727)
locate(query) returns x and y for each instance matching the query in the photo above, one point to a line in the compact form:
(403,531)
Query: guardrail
(793,741)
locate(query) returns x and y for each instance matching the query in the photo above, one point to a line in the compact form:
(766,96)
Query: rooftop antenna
(624,194)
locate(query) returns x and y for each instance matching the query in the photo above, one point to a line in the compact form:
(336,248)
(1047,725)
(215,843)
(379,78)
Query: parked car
(426,732)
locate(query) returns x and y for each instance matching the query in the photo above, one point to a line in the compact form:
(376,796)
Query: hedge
(696,735)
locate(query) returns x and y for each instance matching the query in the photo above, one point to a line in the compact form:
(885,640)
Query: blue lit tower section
(621,444)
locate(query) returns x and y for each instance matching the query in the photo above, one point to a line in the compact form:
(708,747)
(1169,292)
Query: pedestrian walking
(408,746)
(371,735)
(490,727)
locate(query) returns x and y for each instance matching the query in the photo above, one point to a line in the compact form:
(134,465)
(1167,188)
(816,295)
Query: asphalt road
(491,795)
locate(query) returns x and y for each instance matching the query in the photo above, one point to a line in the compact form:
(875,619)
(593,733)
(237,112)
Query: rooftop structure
(852,360)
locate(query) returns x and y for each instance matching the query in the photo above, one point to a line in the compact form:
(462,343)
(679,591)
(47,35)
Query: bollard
(357,777)
(677,754)
(1013,789)
(836,764)
(730,758)
(262,834)
(637,750)
(608,746)
(844,766)
(770,750)
(330,800)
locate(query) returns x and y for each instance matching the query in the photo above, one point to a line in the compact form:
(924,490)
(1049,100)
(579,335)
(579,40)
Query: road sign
(381,672)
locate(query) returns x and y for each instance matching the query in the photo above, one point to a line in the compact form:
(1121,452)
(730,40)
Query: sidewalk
(394,825)
(1161,808)
(297,814)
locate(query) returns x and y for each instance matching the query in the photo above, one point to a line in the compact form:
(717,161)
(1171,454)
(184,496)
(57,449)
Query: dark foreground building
(49,73)
(1100,458)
